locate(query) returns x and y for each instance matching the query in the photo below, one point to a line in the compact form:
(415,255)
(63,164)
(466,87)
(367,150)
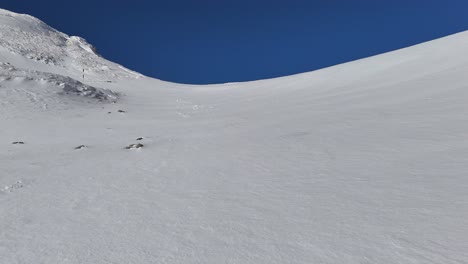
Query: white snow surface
(364,162)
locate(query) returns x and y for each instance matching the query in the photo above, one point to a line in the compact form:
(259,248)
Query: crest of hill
(33,39)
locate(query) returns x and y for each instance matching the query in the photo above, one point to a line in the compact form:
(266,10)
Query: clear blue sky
(215,41)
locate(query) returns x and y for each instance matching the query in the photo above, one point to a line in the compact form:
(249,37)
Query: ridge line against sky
(208,41)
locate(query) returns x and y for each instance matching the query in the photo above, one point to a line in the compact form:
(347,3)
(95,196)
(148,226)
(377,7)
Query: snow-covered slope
(364,162)
(33,39)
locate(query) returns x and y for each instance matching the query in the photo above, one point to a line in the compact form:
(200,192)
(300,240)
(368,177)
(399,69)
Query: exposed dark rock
(134,146)
(81,147)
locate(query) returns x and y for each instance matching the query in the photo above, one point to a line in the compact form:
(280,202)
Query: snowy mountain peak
(31,38)
(24,17)
(51,68)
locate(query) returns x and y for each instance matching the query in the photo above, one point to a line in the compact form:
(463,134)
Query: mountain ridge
(99,67)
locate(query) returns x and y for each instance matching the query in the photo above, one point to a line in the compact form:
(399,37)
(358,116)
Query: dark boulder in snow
(81,147)
(134,146)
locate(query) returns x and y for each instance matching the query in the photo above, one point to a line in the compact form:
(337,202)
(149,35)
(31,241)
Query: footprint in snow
(11,188)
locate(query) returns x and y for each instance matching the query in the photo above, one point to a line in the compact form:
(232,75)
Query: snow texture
(364,162)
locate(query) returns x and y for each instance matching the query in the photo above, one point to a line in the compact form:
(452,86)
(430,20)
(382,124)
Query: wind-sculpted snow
(65,85)
(37,92)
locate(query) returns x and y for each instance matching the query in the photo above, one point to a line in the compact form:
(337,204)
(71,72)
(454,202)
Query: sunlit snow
(365,162)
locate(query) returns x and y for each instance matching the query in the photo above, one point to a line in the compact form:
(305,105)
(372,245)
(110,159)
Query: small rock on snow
(134,146)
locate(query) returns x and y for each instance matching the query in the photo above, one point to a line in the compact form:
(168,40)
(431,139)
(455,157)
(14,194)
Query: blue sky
(210,41)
